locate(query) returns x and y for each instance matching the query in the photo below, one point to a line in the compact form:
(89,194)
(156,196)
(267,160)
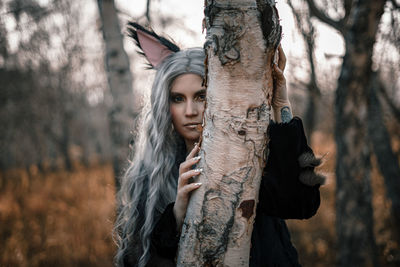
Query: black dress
(282,196)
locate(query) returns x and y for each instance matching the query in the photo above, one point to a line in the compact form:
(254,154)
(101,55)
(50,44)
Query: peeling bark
(241,40)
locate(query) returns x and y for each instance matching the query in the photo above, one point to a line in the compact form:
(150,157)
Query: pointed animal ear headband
(155,48)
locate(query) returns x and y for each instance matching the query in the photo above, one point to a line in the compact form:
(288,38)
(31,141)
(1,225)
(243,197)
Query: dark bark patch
(227,45)
(219,222)
(205,78)
(210,11)
(258,112)
(224,43)
(247,208)
(269,20)
(113,53)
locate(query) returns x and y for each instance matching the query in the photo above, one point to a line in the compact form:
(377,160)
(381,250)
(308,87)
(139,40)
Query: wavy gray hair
(150,182)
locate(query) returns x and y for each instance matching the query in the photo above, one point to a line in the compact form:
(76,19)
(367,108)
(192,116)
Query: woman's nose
(191,109)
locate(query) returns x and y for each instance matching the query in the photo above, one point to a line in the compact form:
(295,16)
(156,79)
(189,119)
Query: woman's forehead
(187,82)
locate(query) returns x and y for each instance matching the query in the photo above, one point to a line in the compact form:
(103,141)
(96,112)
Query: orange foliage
(57,219)
(66,218)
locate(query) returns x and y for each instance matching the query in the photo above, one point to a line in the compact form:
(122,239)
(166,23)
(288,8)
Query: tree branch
(307,31)
(395,4)
(314,11)
(148,10)
(395,110)
(347,8)
(298,20)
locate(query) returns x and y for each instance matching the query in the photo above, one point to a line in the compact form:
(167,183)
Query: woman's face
(187,98)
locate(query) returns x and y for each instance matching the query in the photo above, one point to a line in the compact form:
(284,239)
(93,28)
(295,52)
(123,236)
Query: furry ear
(308,159)
(311,178)
(155,48)
(308,176)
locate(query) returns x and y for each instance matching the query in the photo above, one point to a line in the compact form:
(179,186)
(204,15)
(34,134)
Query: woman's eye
(177,99)
(201,97)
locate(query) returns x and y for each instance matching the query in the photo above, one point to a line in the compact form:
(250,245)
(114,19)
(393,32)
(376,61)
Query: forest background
(58,99)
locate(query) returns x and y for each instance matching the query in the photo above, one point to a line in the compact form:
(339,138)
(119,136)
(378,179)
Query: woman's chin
(191,137)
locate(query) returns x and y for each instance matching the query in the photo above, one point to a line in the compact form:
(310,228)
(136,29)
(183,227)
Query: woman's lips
(192,125)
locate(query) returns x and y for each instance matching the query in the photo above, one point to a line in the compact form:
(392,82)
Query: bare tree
(41,111)
(387,160)
(120,82)
(241,40)
(354,222)
(307,30)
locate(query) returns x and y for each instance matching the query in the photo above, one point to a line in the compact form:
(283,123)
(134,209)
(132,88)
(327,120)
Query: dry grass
(65,219)
(57,219)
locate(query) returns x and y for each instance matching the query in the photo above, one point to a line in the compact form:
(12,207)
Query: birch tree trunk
(241,40)
(119,78)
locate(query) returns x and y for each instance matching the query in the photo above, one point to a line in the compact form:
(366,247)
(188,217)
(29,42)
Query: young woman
(155,189)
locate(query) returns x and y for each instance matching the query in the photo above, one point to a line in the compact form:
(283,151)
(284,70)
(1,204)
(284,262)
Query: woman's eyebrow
(201,91)
(175,93)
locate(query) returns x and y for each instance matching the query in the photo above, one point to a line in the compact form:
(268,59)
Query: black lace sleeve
(165,237)
(289,187)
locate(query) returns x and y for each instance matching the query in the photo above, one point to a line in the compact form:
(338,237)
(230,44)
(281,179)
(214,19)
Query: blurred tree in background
(57,195)
(45,109)
(360,129)
(120,81)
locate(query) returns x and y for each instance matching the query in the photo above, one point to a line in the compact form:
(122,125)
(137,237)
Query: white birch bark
(120,79)
(241,41)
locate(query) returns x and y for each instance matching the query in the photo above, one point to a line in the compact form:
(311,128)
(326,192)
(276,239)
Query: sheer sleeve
(289,187)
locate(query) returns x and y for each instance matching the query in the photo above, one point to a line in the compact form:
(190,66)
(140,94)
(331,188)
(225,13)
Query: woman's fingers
(194,151)
(183,196)
(184,187)
(184,178)
(187,164)
(279,78)
(181,202)
(189,188)
(278,72)
(282,58)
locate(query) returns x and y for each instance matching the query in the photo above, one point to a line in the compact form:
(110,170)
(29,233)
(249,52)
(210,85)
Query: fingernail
(195,144)
(198,184)
(198,170)
(197,158)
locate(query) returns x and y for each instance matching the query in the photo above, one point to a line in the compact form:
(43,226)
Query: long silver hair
(150,182)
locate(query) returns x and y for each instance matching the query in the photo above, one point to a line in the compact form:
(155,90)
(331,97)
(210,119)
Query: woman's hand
(184,187)
(280,100)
